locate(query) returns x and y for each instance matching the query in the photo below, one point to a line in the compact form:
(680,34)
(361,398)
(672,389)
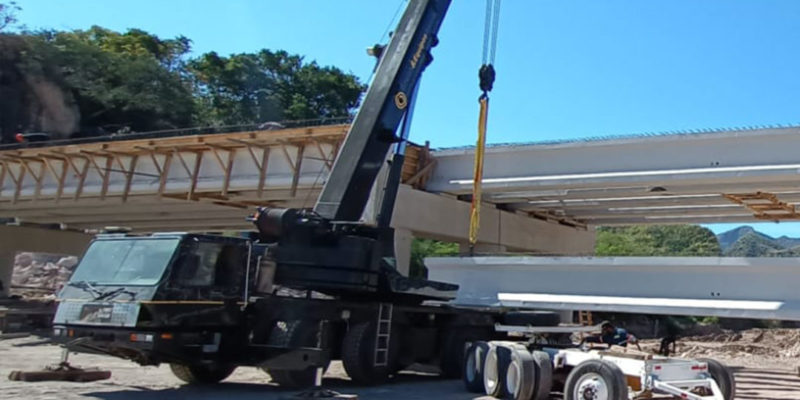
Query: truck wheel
(596,379)
(299,333)
(494,370)
(473,366)
(358,355)
(723,376)
(453,350)
(544,375)
(201,374)
(521,374)
(535,318)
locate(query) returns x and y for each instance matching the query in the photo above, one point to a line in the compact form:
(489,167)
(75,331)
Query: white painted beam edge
(641,302)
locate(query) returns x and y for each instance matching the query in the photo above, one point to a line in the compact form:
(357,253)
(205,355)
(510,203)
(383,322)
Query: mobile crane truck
(206,304)
(310,286)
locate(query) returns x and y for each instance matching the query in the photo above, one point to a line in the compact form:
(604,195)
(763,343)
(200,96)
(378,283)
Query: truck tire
(521,374)
(543,383)
(723,376)
(596,379)
(451,360)
(534,318)
(494,370)
(201,374)
(358,355)
(298,333)
(473,366)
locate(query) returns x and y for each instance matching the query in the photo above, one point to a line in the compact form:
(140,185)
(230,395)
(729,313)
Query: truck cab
(169,297)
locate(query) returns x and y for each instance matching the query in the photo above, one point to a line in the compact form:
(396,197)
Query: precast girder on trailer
(762,288)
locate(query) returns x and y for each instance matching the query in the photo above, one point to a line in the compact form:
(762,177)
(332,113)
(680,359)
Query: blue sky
(566,69)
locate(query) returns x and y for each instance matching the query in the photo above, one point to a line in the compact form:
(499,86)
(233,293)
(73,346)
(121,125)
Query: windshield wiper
(86,286)
(114,293)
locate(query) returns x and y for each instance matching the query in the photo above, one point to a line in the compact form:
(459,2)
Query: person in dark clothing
(612,335)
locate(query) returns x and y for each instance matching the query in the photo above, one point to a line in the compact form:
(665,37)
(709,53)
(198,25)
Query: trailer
(532,368)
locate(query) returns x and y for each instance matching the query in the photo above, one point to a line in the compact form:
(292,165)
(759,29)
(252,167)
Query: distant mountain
(745,241)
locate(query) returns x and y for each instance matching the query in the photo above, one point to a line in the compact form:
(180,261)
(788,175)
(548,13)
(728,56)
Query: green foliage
(270,86)
(138,81)
(8,14)
(421,248)
(657,240)
(132,79)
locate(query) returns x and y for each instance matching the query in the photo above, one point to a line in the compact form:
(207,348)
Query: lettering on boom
(418,53)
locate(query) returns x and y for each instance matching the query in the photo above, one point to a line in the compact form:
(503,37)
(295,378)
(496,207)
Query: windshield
(125,261)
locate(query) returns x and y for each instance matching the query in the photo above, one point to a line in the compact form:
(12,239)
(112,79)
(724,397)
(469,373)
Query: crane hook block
(486,76)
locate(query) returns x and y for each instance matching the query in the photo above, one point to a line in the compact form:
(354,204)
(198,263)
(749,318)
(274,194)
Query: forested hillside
(98,81)
(656,240)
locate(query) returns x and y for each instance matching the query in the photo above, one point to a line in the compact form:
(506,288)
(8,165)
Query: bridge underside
(727,176)
(213,182)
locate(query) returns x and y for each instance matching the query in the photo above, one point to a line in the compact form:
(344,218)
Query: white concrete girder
(763,288)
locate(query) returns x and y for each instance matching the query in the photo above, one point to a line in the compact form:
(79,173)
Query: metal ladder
(585,318)
(383,334)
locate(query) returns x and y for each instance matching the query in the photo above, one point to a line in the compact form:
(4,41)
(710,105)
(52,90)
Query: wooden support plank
(2,177)
(155,162)
(228,170)
(18,181)
(215,152)
(37,178)
(129,177)
(195,173)
(325,158)
(297,165)
(262,171)
(62,180)
(162,184)
(59,177)
(183,163)
(288,157)
(106,177)
(81,177)
(421,173)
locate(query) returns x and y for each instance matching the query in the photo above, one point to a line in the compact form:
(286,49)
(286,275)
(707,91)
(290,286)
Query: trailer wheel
(544,375)
(473,366)
(723,376)
(535,318)
(494,370)
(358,355)
(452,355)
(521,374)
(299,333)
(201,373)
(596,380)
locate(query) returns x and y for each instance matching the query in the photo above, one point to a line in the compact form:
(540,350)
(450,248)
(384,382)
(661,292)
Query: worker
(611,335)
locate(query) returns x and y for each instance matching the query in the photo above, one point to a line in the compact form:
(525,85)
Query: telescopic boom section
(372,133)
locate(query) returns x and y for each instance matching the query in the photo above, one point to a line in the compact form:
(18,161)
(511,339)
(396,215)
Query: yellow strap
(475,211)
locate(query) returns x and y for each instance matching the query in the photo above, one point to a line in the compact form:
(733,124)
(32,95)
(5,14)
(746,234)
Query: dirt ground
(765,362)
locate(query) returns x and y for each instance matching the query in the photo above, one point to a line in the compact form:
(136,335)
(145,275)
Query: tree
(421,248)
(105,81)
(119,80)
(657,240)
(8,14)
(269,86)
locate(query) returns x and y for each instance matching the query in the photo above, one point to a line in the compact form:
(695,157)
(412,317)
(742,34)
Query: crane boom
(373,130)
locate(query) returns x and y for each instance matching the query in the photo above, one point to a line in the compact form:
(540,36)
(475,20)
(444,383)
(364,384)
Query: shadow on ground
(766,384)
(403,386)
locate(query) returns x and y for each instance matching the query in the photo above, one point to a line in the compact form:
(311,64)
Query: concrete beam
(763,288)
(444,218)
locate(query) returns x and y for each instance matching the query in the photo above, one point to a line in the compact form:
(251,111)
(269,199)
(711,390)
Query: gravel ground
(760,377)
